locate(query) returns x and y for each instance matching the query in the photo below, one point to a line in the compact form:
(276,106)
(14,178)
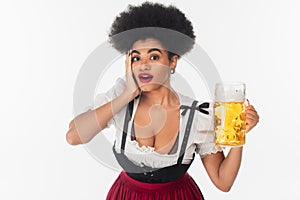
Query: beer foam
(230,92)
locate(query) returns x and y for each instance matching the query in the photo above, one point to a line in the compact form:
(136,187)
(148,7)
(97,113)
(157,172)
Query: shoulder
(119,86)
(202,125)
(184,100)
(203,108)
(188,100)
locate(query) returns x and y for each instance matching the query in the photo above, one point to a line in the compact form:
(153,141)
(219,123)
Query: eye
(135,59)
(154,57)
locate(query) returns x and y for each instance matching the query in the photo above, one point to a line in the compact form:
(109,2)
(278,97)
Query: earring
(172,71)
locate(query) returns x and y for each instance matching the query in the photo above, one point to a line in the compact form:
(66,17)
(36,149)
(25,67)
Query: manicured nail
(248,102)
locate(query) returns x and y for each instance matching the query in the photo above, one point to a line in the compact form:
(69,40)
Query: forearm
(229,167)
(106,112)
(86,125)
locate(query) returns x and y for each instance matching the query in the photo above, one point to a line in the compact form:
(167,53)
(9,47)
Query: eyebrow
(149,51)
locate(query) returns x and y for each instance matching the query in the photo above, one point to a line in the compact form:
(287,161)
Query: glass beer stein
(230,114)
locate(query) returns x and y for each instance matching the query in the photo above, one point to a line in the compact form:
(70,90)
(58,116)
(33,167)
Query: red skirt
(126,188)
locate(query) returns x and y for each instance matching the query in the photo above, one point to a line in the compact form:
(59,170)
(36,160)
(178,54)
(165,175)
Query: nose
(145,66)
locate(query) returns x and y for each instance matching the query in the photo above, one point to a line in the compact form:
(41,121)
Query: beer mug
(230,114)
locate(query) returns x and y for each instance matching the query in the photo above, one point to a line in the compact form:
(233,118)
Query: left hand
(252,117)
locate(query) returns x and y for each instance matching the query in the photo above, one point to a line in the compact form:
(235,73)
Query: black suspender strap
(128,116)
(187,130)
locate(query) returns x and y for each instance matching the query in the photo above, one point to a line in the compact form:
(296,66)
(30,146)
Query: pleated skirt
(126,188)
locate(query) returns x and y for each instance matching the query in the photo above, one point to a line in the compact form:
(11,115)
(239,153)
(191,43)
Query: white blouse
(201,138)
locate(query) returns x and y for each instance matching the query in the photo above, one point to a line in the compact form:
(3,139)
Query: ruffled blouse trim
(142,149)
(147,149)
(147,156)
(208,151)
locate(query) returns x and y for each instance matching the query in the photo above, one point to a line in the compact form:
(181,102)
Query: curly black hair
(146,19)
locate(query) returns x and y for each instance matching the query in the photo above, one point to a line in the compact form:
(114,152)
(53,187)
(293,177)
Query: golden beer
(230,123)
(230,114)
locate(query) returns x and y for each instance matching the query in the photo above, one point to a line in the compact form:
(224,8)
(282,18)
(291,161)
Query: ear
(173,61)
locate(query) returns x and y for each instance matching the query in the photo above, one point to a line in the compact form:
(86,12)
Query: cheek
(134,66)
(135,70)
(162,70)
(161,74)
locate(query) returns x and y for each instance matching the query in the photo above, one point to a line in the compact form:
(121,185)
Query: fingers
(251,121)
(71,124)
(251,112)
(131,82)
(128,61)
(252,118)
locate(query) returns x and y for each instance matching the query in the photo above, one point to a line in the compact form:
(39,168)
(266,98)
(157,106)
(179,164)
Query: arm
(88,124)
(223,170)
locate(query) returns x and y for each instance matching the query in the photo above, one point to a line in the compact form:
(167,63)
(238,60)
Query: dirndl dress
(146,183)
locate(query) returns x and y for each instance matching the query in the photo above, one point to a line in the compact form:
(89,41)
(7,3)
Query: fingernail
(248,102)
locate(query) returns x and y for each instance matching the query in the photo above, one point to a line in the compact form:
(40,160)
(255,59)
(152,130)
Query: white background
(43,45)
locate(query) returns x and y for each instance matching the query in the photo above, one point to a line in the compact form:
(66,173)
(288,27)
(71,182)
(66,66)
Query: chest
(156,127)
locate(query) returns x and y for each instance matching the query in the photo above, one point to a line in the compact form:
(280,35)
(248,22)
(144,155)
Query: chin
(146,89)
(149,87)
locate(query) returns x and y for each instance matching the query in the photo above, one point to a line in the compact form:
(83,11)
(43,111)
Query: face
(151,65)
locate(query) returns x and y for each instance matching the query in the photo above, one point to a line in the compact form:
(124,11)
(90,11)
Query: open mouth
(145,78)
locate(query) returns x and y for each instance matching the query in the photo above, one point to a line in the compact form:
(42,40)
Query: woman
(165,128)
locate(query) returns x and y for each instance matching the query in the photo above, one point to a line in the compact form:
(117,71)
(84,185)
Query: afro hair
(147,19)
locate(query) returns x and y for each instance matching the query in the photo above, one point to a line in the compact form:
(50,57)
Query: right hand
(132,88)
